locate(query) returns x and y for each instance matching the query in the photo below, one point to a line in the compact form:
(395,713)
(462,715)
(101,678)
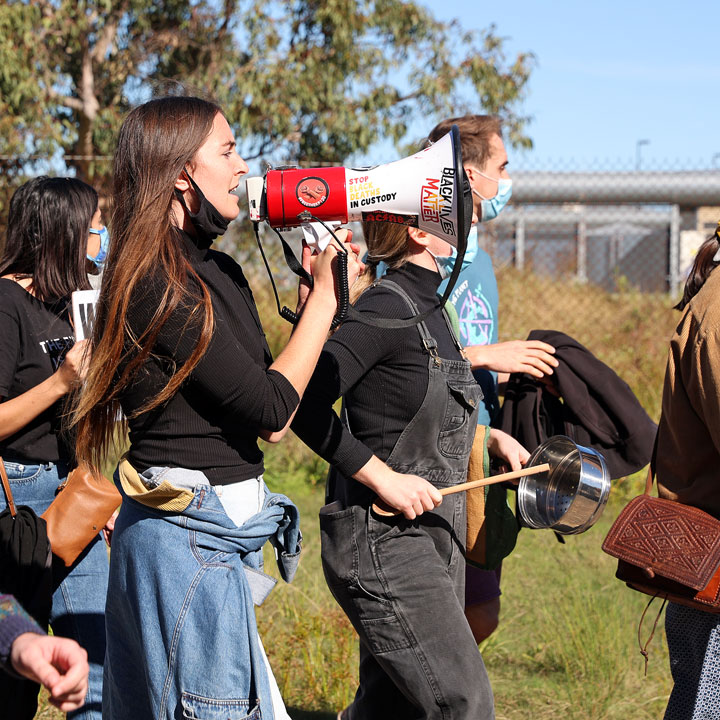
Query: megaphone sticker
(362,192)
(312,192)
(384,216)
(436,200)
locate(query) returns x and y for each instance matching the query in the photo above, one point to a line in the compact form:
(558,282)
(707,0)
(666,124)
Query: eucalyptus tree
(312,80)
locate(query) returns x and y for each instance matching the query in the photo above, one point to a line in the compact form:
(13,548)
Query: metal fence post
(674,279)
(520,240)
(581,238)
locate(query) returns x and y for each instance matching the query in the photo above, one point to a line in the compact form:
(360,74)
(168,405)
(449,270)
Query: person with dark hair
(475,299)
(192,371)
(687,467)
(44,261)
(59,664)
(409,421)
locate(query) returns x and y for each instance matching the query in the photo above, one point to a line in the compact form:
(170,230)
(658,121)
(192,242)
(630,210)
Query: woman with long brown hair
(49,236)
(179,347)
(410,415)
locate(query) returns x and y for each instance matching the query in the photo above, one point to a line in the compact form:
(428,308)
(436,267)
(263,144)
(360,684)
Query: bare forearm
(479,357)
(297,361)
(18,412)
(372,473)
(516,356)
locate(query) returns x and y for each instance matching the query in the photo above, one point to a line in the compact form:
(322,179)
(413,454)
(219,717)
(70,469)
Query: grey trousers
(401,583)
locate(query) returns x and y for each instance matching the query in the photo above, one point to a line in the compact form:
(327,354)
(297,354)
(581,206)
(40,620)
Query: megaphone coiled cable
(343,290)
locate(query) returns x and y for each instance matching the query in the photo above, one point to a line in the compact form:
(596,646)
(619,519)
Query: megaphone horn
(428,190)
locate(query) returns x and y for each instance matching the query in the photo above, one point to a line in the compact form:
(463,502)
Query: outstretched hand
(507,448)
(533,357)
(57,663)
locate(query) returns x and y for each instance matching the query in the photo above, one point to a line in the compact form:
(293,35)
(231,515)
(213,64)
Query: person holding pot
(409,419)
(687,468)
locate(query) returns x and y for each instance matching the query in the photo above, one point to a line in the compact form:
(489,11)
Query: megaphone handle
(343,296)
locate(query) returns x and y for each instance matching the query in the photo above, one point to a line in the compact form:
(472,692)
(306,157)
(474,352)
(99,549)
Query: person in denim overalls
(400,580)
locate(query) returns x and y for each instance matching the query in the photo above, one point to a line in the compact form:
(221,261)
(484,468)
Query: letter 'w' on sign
(83,310)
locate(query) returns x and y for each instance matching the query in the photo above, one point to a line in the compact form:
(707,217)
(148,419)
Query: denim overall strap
(436,444)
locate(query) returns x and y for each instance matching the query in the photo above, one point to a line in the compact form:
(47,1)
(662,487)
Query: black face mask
(207,221)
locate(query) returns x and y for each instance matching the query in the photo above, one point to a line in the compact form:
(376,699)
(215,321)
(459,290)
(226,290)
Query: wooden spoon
(387,511)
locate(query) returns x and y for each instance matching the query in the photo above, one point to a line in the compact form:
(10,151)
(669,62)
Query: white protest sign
(83,310)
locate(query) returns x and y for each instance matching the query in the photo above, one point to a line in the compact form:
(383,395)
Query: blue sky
(609,74)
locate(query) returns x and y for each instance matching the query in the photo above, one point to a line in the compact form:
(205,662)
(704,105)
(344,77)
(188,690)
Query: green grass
(567,642)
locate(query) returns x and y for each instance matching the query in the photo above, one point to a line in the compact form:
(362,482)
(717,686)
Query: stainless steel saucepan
(563,487)
(571,495)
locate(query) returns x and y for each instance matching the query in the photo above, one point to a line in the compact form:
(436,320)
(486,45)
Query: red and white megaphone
(428,190)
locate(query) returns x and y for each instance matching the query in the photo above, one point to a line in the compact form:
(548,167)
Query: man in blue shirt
(475,299)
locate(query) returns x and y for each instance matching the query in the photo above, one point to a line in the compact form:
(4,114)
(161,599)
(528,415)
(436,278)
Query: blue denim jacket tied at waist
(189,579)
(201,511)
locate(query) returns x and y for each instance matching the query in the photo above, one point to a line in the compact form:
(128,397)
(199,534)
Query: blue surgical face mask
(100,258)
(490,207)
(446,263)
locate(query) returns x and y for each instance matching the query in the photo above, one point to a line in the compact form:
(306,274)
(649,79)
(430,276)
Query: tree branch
(70,102)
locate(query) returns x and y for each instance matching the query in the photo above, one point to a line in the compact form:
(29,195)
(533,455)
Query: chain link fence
(609,229)
(602,256)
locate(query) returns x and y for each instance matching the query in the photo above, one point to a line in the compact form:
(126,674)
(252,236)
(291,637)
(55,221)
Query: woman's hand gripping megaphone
(322,264)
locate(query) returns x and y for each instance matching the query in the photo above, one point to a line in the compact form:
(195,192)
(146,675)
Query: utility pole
(638,145)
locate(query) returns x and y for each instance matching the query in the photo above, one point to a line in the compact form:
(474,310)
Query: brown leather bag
(668,550)
(84,503)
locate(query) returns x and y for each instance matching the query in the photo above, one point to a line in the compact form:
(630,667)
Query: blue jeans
(78,606)
(182,638)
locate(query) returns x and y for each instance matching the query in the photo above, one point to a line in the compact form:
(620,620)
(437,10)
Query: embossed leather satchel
(668,550)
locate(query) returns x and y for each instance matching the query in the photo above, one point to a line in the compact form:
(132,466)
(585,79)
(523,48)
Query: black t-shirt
(34,337)
(382,373)
(212,422)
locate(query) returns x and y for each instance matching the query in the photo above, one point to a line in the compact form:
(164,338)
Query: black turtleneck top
(382,374)
(212,422)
